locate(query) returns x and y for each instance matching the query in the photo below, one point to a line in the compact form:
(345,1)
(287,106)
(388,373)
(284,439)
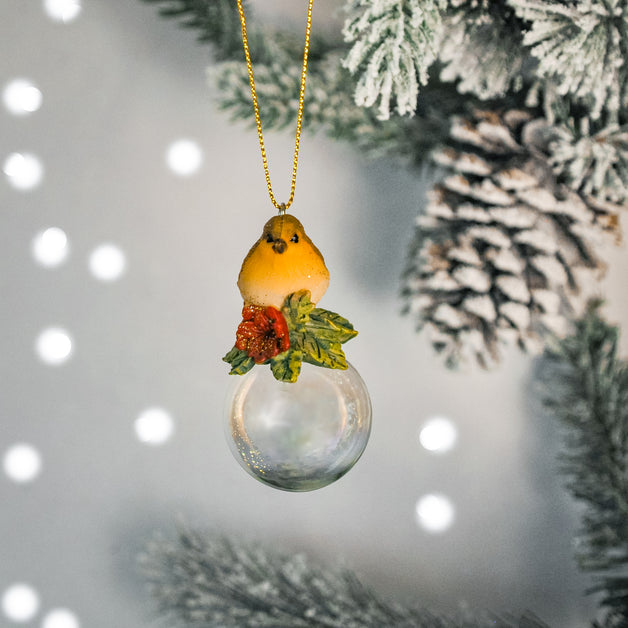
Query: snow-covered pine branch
(393,47)
(277,80)
(581,47)
(329,104)
(204,579)
(596,164)
(481,46)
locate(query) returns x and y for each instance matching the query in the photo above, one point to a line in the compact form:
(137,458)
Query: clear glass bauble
(301,436)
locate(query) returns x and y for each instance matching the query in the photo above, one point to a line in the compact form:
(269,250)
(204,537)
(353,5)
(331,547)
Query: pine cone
(497,254)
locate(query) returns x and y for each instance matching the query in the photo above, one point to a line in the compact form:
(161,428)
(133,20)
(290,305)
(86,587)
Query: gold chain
(280,206)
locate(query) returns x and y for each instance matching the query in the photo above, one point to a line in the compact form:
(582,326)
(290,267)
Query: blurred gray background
(119,86)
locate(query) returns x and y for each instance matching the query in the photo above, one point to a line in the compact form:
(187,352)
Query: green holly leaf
(287,365)
(316,334)
(330,326)
(327,354)
(318,351)
(240,361)
(296,309)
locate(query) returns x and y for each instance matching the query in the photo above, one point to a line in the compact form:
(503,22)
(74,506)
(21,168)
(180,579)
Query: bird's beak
(279,245)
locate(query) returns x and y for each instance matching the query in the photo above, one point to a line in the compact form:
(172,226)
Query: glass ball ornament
(298,436)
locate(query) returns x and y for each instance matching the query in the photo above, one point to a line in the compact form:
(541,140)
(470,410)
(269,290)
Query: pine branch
(473,51)
(580,46)
(208,580)
(587,390)
(217,21)
(329,105)
(595,164)
(393,47)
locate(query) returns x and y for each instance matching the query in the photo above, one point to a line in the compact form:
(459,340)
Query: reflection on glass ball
(301,436)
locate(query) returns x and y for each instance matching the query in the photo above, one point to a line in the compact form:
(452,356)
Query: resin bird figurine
(283,261)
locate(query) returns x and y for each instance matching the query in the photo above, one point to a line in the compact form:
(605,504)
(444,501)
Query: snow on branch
(481,47)
(205,579)
(595,164)
(581,47)
(393,47)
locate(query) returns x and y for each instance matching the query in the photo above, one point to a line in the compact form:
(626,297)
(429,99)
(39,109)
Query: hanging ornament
(299,436)
(291,424)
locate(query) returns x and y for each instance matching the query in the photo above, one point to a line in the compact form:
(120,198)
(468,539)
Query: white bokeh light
(184,157)
(20,602)
(438,435)
(54,346)
(23,170)
(107,262)
(435,513)
(154,426)
(21,97)
(21,463)
(50,247)
(60,618)
(65,11)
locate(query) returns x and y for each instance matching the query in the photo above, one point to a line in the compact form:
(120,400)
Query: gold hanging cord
(280,206)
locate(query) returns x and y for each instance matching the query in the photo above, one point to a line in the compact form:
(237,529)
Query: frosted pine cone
(497,254)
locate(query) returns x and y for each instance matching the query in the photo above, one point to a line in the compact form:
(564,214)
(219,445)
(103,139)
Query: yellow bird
(284,260)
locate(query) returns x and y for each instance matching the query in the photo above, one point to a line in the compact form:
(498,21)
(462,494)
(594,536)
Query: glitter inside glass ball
(301,436)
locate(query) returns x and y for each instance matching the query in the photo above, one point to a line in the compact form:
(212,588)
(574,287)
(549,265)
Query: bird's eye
(294,238)
(269,237)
